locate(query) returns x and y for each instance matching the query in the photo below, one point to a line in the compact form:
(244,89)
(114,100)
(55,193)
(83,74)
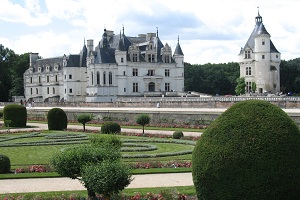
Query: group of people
(27,103)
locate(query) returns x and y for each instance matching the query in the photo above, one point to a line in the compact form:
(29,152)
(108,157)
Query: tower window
(248,71)
(70,76)
(122,60)
(262,56)
(263,42)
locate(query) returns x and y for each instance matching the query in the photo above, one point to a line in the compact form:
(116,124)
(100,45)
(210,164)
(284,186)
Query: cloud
(29,15)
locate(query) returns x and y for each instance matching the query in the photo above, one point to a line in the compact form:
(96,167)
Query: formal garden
(251,151)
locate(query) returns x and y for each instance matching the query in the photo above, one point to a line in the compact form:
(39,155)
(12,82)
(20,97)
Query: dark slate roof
(178,50)
(83,55)
(48,61)
(73,60)
(259,29)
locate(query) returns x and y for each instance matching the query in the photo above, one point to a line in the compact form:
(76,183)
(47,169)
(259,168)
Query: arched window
(92,77)
(151,87)
(53,90)
(36,91)
(98,78)
(104,78)
(110,78)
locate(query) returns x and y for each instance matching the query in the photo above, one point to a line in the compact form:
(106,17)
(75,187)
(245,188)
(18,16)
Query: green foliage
(84,118)
(289,76)
(107,177)
(109,141)
(241,86)
(211,78)
(16,113)
(178,135)
(249,151)
(4,164)
(253,87)
(1,113)
(110,127)
(57,119)
(142,120)
(71,161)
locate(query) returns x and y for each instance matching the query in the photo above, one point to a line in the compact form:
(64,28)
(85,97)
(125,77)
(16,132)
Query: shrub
(1,113)
(110,127)
(4,164)
(110,141)
(17,115)
(142,120)
(178,134)
(251,151)
(57,119)
(84,118)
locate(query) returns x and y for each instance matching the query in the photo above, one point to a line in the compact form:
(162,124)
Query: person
(25,103)
(32,103)
(21,102)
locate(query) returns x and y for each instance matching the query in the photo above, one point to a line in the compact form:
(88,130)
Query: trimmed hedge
(251,151)
(110,127)
(4,164)
(177,135)
(57,119)
(15,114)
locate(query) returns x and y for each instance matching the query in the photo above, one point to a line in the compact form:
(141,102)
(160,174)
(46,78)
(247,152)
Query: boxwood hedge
(15,114)
(251,151)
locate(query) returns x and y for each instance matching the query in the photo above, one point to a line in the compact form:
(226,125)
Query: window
(65,90)
(167,87)
(276,56)
(47,90)
(151,87)
(150,58)
(247,54)
(124,89)
(56,78)
(248,71)
(104,78)
(110,78)
(30,79)
(167,58)
(31,91)
(248,86)
(122,60)
(135,87)
(124,73)
(151,72)
(134,57)
(53,90)
(262,56)
(70,90)
(40,79)
(135,72)
(98,78)
(263,42)
(92,77)
(36,91)
(167,72)
(70,76)
(47,79)
(65,77)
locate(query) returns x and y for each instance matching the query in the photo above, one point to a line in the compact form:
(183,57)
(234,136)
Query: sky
(209,31)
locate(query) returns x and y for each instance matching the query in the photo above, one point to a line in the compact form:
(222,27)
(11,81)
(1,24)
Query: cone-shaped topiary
(251,151)
(57,119)
(4,164)
(15,114)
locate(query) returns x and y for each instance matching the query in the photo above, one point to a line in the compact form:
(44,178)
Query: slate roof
(259,29)
(48,61)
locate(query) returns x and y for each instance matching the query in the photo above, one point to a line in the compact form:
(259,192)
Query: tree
(142,120)
(73,161)
(107,177)
(84,118)
(253,86)
(240,88)
(249,151)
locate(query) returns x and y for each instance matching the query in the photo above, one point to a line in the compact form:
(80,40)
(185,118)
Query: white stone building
(119,66)
(259,61)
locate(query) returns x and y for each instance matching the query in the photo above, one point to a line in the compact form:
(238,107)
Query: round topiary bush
(4,164)
(251,151)
(110,127)
(57,119)
(178,134)
(15,114)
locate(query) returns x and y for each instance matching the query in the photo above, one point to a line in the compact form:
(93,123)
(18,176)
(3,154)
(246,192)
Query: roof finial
(178,39)
(156,31)
(258,10)
(123,29)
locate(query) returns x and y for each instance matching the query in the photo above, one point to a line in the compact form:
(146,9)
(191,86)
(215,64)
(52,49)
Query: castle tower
(259,61)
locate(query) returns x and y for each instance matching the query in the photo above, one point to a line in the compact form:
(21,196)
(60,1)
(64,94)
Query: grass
(187,190)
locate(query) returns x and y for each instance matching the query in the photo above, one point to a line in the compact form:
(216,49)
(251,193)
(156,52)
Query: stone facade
(118,66)
(260,61)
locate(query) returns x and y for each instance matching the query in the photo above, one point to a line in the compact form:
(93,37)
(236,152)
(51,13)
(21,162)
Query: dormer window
(167,59)
(247,54)
(150,58)
(39,69)
(55,67)
(134,57)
